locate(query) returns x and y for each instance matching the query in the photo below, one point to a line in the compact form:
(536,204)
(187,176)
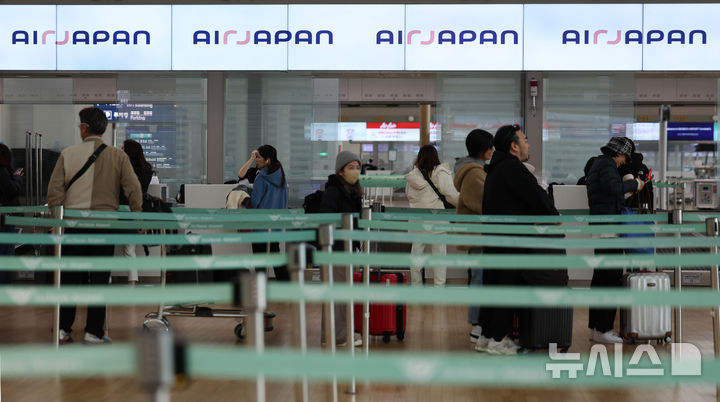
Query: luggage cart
(157,319)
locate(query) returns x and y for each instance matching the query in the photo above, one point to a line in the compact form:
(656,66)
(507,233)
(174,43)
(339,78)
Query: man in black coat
(510,189)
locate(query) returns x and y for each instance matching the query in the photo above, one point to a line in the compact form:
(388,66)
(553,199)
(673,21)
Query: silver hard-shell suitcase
(646,322)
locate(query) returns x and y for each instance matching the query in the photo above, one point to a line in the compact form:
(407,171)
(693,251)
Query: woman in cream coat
(421,195)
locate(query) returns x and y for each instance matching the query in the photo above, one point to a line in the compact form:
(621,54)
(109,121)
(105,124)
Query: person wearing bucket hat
(343,194)
(605,191)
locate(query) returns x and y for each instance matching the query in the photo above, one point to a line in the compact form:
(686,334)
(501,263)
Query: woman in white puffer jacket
(421,195)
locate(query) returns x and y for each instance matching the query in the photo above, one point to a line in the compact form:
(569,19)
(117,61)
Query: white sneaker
(358,340)
(607,337)
(475,332)
(481,345)
(64,338)
(91,339)
(505,347)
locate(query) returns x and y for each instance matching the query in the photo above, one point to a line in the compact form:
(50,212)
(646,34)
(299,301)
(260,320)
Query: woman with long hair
(270,191)
(430,185)
(143,171)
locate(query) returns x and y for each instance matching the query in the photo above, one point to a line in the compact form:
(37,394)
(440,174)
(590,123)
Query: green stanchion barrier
(532,371)
(212,238)
(403,210)
(439,217)
(394,181)
(536,261)
(416,368)
(690,217)
(518,296)
(169,225)
(114,295)
(528,241)
(34,361)
(252,211)
(178,263)
(530,229)
(160,216)
(20,210)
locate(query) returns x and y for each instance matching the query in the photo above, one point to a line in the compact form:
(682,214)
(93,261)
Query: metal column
(157,364)
(348,224)
(297,261)
(58,214)
(326,239)
(253,290)
(712,231)
(675,217)
(662,155)
(366,214)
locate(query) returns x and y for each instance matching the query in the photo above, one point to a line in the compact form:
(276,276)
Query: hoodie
(421,195)
(269,192)
(470,182)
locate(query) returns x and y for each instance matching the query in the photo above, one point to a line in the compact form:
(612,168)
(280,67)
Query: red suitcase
(385,319)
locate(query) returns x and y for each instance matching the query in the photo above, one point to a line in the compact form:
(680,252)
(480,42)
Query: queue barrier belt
(97,239)
(417,368)
(515,261)
(174,262)
(529,241)
(163,216)
(170,225)
(516,296)
(530,229)
(389,216)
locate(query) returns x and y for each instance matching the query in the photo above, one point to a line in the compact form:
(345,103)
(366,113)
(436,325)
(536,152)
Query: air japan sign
(360,37)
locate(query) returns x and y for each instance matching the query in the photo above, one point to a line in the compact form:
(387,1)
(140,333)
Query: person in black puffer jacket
(606,196)
(10,185)
(343,194)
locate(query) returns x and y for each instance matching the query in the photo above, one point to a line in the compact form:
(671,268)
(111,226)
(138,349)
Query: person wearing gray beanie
(343,158)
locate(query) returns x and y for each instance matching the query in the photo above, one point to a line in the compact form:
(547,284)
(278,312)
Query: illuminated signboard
(379,132)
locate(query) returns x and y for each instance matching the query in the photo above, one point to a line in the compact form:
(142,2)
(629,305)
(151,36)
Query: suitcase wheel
(386,337)
(240,332)
(401,336)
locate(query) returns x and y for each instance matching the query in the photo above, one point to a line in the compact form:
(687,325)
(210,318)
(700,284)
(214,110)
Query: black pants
(96,314)
(281,272)
(603,319)
(497,322)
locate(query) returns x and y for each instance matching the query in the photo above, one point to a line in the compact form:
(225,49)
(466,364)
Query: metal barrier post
(675,217)
(712,230)
(326,239)
(297,261)
(157,364)
(366,214)
(58,214)
(28,168)
(348,224)
(253,295)
(38,168)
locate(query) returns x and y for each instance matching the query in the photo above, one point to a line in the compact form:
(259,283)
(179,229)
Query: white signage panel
(113,37)
(583,37)
(27,40)
(345,37)
(682,37)
(230,37)
(464,37)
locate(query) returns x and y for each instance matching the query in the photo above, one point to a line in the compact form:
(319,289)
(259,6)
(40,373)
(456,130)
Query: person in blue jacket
(270,191)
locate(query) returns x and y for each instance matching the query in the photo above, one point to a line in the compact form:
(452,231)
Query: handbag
(444,200)
(640,250)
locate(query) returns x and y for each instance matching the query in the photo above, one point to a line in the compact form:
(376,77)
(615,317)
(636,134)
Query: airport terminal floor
(437,328)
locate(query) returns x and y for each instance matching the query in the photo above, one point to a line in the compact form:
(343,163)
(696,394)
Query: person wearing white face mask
(343,194)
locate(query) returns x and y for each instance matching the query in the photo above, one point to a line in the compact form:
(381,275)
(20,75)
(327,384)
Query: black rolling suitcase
(539,327)
(193,276)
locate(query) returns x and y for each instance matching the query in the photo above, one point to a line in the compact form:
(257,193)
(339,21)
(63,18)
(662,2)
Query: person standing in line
(11,183)
(470,182)
(143,171)
(270,191)
(510,189)
(606,196)
(343,194)
(426,183)
(97,188)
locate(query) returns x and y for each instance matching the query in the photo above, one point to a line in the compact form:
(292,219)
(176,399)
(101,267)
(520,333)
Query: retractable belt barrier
(528,241)
(311,222)
(516,296)
(193,238)
(221,362)
(164,216)
(530,229)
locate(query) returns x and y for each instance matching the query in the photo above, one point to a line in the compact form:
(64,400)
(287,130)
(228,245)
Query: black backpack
(154,204)
(311,203)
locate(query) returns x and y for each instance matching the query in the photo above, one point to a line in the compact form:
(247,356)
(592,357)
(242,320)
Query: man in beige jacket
(98,188)
(470,182)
